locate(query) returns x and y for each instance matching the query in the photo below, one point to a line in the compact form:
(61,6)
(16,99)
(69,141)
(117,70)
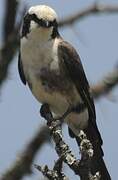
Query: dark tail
(97,162)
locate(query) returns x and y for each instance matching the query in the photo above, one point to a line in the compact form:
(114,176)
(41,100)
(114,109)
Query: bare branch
(95,8)
(106,84)
(82,167)
(10,16)
(7,53)
(55,174)
(10,35)
(23,164)
(58,165)
(8,50)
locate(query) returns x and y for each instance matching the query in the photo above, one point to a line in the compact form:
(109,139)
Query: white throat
(37,49)
(40,35)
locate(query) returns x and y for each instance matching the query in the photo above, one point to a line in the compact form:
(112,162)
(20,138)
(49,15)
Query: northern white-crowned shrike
(53,71)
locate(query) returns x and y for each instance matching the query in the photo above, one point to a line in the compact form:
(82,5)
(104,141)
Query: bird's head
(40,19)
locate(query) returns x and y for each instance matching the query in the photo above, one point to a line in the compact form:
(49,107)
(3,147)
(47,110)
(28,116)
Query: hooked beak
(45,24)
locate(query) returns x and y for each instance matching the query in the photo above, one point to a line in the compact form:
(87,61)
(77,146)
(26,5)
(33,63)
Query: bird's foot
(44,110)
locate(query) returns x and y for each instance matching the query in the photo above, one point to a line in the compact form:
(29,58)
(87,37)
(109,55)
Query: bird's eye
(46,23)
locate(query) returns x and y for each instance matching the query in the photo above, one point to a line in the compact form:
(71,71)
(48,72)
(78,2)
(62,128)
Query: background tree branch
(10,38)
(23,163)
(93,9)
(9,18)
(7,53)
(104,86)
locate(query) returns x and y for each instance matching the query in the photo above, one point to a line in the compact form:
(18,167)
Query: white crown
(43,12)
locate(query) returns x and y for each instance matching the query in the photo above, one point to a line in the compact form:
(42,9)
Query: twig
(58,165)
(56,173)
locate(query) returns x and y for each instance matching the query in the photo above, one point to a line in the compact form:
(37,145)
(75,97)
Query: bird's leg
(80,107)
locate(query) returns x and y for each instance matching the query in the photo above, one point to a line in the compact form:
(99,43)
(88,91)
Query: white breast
(35,55)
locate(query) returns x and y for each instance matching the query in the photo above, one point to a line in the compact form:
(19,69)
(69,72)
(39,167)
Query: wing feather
(20,69)
(75,69)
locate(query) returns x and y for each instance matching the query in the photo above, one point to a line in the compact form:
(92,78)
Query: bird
(53,70)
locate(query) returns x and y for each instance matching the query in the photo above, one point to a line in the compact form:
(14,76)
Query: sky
(96,40)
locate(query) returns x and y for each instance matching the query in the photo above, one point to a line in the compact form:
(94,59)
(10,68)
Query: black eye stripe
(41,22)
